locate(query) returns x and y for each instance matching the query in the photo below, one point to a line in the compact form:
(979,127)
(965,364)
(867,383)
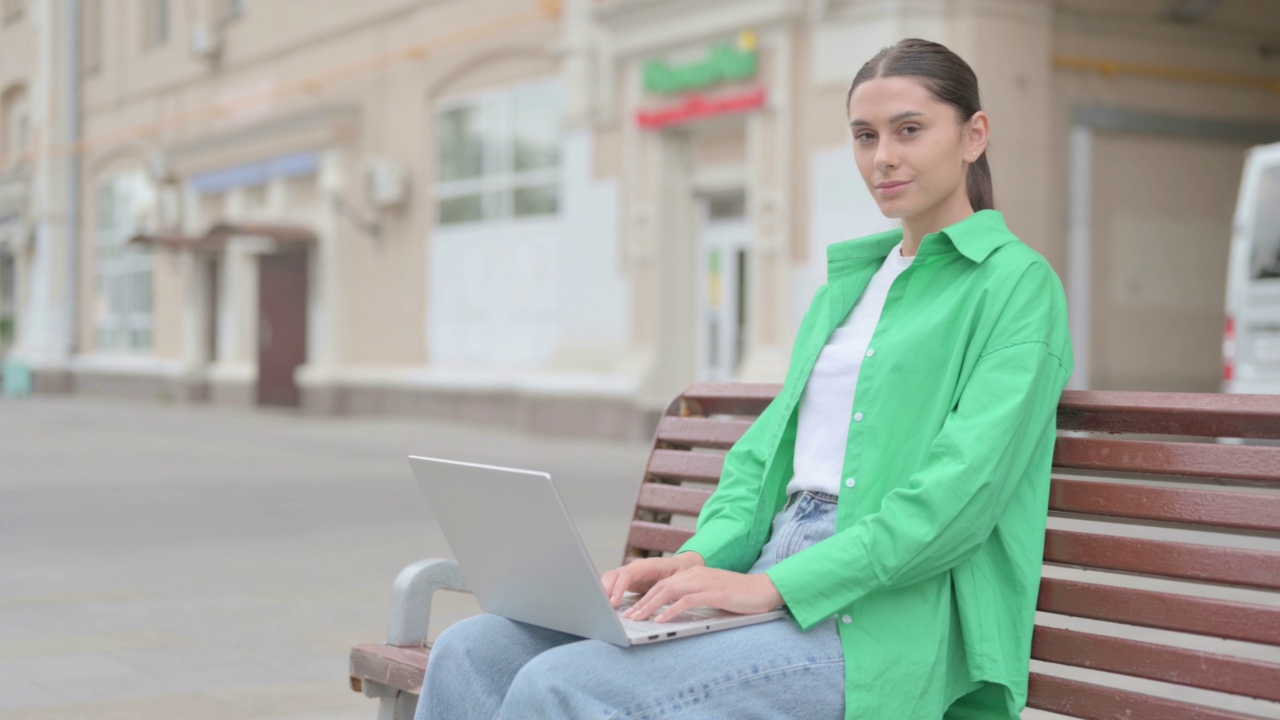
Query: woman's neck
(944,214)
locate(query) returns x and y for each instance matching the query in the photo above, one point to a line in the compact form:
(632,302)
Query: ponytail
(978,183)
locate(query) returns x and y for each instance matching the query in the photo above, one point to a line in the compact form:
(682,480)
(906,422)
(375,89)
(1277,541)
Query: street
(210,563)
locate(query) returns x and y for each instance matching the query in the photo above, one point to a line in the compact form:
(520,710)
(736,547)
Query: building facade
(556,215)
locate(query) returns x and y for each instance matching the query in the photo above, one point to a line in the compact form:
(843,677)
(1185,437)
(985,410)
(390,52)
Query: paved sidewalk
(213,564)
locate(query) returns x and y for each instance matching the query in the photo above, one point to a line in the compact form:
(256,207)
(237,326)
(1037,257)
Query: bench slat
(1193,668)
(1208,563)
(1241,462)
(1196,414)
(658,537)
(400,668)
(672,499)
(1218,508)
(1165,611)
(1098,702)
(701,432)
(730,398)
(683,465)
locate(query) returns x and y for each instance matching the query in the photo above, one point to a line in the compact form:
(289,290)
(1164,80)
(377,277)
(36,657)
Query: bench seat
(1161,591)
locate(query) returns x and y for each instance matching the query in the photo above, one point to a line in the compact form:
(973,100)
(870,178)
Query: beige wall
(206,115)
(1161,205)
(1151,45)
(338,82)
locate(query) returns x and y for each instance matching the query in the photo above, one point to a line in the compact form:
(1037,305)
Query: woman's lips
(892,188)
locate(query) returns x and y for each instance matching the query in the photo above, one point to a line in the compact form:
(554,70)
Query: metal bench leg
(393,704)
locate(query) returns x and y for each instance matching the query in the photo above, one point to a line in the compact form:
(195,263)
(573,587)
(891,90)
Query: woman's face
(912,149)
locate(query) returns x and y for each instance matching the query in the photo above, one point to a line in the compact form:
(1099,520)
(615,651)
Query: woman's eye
(863,137)
(910,129)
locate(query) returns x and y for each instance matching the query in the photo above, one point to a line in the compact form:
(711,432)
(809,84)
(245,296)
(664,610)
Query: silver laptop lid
(516,545)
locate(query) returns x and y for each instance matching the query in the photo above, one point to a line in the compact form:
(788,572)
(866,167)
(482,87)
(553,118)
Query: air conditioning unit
(385,184)
(206,40)
(144,204)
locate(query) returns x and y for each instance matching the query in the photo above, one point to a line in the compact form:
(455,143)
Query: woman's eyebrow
(859,122)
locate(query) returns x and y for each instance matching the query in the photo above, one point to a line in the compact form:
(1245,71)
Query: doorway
(722,285)
(282,326)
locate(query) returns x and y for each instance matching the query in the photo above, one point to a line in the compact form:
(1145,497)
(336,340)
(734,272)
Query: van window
(1264,261)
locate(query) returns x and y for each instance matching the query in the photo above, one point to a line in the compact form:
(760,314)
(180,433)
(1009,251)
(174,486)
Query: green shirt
(933,571)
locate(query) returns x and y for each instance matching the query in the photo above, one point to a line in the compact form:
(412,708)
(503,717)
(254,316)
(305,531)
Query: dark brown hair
(951,80)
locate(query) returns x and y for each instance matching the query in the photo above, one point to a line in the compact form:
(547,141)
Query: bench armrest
(411,599)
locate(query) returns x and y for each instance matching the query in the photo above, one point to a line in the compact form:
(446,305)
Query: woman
(893,497)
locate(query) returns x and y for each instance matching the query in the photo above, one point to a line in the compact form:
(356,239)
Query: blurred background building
(555,215)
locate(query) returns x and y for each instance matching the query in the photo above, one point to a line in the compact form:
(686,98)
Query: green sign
(724,62)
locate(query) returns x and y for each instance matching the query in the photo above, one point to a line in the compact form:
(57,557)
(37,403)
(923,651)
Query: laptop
(521,554)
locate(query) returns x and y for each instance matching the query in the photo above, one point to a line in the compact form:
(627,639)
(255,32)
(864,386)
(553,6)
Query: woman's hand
(702,586)
(641,575)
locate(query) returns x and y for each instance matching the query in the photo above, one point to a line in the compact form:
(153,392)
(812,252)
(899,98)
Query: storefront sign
(696,107)
(724,63)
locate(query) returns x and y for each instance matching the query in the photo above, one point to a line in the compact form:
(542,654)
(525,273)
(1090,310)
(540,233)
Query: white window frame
(498,174)
(129,329)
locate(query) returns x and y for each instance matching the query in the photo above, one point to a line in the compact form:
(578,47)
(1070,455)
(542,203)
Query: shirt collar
(975,237)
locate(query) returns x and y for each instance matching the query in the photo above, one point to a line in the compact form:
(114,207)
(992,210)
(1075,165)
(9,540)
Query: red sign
(696,107)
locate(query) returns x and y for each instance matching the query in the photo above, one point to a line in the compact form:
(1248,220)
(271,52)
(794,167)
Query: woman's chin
(893,210)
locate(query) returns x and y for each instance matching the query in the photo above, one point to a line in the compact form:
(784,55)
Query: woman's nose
(886,156)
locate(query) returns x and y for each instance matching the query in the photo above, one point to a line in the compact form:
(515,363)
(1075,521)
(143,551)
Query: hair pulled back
(951,80)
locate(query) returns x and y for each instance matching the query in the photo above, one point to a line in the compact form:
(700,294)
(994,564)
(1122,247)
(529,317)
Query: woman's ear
(976,133)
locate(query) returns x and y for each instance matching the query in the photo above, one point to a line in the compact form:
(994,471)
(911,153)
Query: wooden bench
(1161,590)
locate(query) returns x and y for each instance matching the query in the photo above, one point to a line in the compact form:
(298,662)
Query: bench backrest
(1161,589)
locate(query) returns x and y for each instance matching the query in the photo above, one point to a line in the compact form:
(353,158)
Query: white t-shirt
(822,432)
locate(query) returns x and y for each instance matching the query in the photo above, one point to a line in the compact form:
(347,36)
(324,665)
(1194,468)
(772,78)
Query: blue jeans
(491,667)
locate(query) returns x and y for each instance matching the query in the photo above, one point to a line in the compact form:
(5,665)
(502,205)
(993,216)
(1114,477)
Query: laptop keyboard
(649,626)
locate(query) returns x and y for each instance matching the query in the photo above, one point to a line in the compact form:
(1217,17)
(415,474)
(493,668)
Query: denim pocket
(814,520)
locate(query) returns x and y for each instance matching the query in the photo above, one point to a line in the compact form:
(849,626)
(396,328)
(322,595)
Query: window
(8,293)
(15,127)
(499,156)
(123,300)
(155,23)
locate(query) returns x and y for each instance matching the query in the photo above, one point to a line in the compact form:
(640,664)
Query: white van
(1251,341)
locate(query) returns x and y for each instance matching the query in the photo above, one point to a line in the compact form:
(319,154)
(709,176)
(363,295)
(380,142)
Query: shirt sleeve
(949,507)
(727,517)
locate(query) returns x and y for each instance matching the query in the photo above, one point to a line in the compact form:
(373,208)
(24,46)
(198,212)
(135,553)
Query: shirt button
(850,482)
(870,352)
(857,416)
(846,619)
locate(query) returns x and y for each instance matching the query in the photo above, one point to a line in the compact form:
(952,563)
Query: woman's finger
(688,602)
(611,582)
(670,590)
(657,596)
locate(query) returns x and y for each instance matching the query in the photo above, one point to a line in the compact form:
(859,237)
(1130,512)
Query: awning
(281,233)
(170,241)
(273,238)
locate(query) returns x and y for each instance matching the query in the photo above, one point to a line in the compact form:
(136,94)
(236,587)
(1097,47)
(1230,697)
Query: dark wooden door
(282,326)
